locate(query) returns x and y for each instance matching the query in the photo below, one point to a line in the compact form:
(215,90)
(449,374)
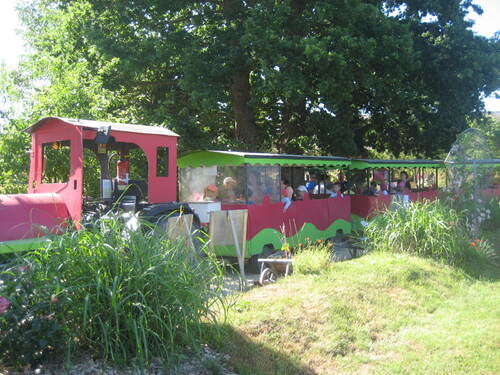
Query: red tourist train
(213,186)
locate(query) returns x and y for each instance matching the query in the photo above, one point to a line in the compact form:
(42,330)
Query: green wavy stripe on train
(356,222)
(272,237)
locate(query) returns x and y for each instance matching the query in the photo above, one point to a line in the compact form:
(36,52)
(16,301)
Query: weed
(312,260)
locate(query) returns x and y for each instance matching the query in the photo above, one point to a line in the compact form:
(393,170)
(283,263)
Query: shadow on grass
(480,269)
(250,357)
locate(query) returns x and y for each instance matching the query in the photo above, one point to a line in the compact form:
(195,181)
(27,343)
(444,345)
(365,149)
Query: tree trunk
(292,126)
(245,129)
(244,121)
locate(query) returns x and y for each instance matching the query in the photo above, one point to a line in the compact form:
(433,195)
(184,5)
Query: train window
(263,181)
(56,162)
(230,185)
(162,161)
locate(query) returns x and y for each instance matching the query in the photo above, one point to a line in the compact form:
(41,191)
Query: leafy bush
(120,295)
(430,229)
(312,260)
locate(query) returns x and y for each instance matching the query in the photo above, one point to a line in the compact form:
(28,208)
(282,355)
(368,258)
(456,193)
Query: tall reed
(429,229)
(123,295)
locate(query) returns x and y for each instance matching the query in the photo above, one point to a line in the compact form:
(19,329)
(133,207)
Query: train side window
(162,161)
(56,162)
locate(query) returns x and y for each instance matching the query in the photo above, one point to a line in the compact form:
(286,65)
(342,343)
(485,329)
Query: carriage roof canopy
(208,158)
(374,163)
(487,163)
(95,125)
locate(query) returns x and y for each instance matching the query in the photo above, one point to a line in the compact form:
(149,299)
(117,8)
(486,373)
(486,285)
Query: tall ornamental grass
(429,229)
(124,296)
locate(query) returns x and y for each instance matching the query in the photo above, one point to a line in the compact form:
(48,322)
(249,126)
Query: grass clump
(120,295)
(429,229)
(312,259)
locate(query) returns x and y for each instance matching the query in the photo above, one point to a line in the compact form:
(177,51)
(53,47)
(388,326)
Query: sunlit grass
(382,313)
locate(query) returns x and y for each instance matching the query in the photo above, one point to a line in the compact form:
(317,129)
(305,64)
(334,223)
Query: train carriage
(424,184)
(257,179)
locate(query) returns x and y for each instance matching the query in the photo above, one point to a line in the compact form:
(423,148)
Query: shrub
(429,229)
(312,260)
(120,295)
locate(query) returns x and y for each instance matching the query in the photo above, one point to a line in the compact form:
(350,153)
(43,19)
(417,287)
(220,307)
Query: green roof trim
(369,163)
(207,158)
(486,163)
(232,158)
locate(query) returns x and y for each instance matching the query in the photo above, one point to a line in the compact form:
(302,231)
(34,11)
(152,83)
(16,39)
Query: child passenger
(286,193)
(336,190)
(403,183)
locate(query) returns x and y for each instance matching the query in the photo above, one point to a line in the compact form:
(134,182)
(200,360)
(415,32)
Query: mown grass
(382,313)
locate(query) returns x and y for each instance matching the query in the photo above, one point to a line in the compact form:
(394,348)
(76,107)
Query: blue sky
(11,46)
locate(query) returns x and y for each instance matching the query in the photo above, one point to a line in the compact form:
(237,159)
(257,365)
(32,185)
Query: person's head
(403,176)
(211,192)
(337,187)
(229,183)
(374,186)
(285,182)
(313,178)
(301,190)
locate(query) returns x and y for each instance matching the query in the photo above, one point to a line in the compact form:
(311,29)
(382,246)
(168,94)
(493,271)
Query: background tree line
(293,76)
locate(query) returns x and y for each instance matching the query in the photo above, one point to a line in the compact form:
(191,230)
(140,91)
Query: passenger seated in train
(211,193)
(286,193)
(227,191)
(403,186)
(336,190)
(300,192)
(381,176)
(286,189)
(254,188)
(312,183)
(373,190)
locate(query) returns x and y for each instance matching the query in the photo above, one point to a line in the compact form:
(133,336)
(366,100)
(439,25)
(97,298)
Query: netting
(468,174)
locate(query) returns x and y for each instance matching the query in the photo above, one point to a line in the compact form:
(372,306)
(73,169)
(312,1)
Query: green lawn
(379,314)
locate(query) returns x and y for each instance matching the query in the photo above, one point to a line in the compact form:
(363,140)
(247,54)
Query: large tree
(316,76)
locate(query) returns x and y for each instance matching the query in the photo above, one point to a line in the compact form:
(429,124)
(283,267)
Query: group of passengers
(378,186)
(257,188)
(330,189)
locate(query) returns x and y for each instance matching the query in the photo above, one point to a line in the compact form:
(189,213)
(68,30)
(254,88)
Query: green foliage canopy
(291,76)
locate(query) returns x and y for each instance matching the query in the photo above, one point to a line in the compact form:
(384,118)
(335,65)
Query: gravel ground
(207,362)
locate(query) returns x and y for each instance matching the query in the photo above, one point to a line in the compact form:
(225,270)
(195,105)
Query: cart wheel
(267,276)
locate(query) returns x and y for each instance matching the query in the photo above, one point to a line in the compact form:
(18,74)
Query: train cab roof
(96,125)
